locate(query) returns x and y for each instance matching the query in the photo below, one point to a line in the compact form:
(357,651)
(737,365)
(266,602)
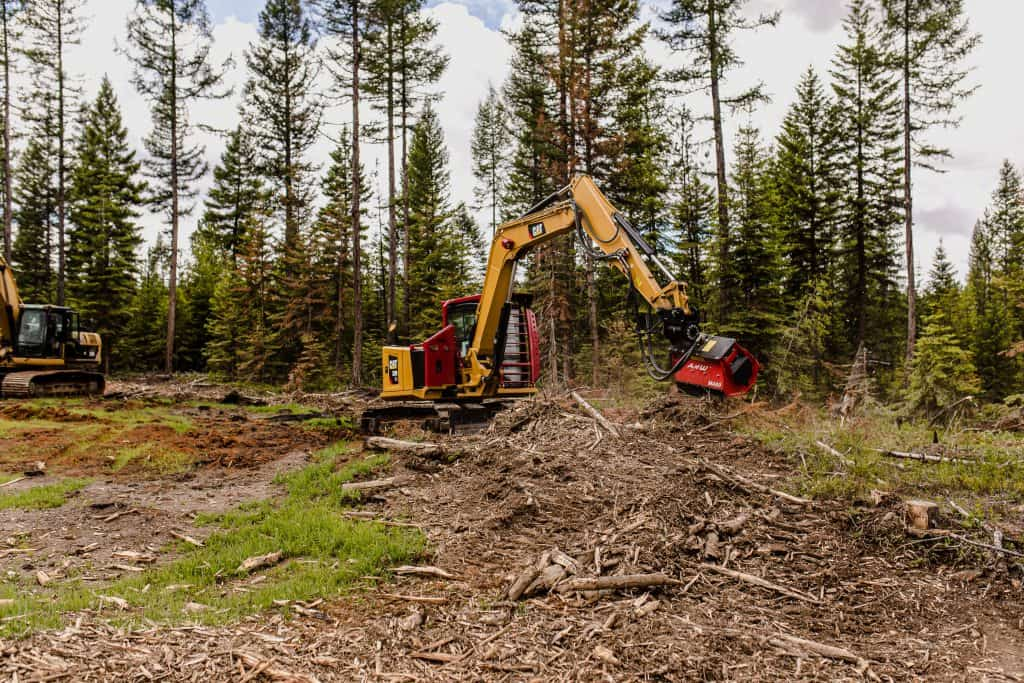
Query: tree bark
(404,106)
(391,321)
(357,278)
(723,186)
(8,210)
(908,200)
(61,209)
(172,277)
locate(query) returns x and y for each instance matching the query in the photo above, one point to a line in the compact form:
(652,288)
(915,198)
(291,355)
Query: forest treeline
(797,241)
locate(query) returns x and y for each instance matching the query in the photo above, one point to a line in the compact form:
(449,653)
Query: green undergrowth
(993,464)
(43,496)
(324,554)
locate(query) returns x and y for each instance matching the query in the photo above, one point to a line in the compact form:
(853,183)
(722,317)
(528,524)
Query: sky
(470,31)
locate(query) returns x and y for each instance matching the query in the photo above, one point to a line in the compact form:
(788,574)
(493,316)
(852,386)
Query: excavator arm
(471,363)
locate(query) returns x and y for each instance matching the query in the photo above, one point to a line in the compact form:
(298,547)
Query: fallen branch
(616,582)
(422,449)
(425,599)
(120,513)
(253,661)
(594,413)
(260,562)
(374,484)
(423,571)
(188,539)
(744,483)
(12,481)
(936,534)
(833,452)
(920,457)
(758,581)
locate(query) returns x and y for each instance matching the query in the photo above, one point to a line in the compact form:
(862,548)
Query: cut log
(763,583)
(546,580)
(374,484)
(422,449)
(522,582)
(733,526)
(260,562)
(594,413)
(921,514)
(624,582)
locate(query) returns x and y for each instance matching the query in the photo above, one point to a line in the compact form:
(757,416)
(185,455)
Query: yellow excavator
(43,351)
(487,351)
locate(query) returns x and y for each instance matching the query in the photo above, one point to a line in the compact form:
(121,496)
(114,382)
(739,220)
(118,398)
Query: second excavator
(488,348)
(43,351)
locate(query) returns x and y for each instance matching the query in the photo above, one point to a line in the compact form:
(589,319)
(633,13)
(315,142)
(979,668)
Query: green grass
(42,497)
(325,555)
(994,467)
(154,458)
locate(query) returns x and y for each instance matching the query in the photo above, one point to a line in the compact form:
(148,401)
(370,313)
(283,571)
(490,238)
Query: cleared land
(776,559)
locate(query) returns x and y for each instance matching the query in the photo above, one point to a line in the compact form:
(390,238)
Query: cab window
(463,318)
(33,329)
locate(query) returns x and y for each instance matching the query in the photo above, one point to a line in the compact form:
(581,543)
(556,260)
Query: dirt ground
(757,585)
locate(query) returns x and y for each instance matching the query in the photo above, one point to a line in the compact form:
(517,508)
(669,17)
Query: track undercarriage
(434,416)
(46,383)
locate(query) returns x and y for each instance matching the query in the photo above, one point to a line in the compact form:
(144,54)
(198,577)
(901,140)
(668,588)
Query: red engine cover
(720,365)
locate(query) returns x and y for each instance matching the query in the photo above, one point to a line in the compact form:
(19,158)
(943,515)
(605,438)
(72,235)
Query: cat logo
(393,369)
(536,230)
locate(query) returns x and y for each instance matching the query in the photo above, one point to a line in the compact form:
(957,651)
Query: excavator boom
(486,351)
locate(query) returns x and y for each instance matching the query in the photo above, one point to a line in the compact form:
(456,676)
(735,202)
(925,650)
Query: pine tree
(208,267)
(399,60)
(169,45)
(10,36)
(433,257)
(238,190)
(283,109)
(932,39)
(104,196)
(806,174)
(35,193)
(144,340)
(490,149)
(943,368)
(866,96)
(53,27)
(756,253)
(703,30)
(691,209)
(345,21)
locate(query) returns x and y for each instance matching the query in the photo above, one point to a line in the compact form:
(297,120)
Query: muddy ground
(844,593)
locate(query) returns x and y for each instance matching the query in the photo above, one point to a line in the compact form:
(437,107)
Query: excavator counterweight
(487,351)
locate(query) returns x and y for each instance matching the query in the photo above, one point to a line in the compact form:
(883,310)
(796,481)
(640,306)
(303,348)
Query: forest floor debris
(676,550)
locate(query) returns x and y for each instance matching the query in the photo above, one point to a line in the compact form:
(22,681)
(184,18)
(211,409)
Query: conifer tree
(931,40)
(704,30)
(346,21)
(10,36)
(756,253)
(144,336)
(283,109)
(490,149)
(209,265)
(54,26)
(238,190)
(433,246)
(104,199)
(169,45)
(691,210)
(807,179)
(35,193)
(866,96)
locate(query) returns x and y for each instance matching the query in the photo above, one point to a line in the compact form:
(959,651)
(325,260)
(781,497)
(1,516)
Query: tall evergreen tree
(54,26)
(10,36)
(691,209)
(932,38)
(490,150)
(807,179)
(283,109)
(35,193)
(346,21)
(704,30)
(144,341)
(866,96)
(169,45)
(238,190)
(104,233)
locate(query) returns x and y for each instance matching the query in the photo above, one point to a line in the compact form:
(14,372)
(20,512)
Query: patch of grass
(152,457)
(42,497)
(293,408)
(994,460)
(330,424)
(325,554)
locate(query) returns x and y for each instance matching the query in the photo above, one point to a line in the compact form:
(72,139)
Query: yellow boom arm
(10,305)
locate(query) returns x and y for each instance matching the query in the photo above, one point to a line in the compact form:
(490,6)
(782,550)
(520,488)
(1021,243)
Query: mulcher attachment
(720,366)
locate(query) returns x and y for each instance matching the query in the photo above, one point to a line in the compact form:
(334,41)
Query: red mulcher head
(719,365)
